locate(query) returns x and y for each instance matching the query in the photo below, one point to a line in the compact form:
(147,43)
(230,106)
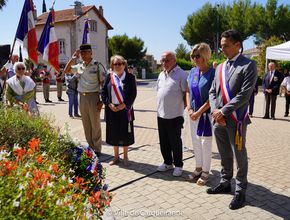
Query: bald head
(168,60)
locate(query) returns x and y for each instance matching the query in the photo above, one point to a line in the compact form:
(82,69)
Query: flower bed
(36,184)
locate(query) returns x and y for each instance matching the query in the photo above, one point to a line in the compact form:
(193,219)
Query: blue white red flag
(86,35)
(26,30)
(48,43)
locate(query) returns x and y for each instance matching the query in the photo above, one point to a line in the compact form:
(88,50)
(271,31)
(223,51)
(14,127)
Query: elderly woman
(20,90)
(118,95)
(197,99)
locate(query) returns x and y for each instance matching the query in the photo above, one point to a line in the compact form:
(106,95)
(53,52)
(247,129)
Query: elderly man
(171,88)
(90,81)
(8,67)
(271,87)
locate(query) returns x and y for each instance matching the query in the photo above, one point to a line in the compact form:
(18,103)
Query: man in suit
(271,87)
(229,96)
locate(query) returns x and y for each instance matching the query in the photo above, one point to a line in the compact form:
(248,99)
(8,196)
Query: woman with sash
(199,83)
(118,95)
(20,90)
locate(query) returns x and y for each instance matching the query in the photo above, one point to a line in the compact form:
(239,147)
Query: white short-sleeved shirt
(286,83)
(170,92)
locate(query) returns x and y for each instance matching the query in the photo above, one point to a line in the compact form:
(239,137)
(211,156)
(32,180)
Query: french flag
(26,30)
(86,35)
(48,43)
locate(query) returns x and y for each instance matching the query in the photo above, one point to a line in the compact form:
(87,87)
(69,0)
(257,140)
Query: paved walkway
(140,192)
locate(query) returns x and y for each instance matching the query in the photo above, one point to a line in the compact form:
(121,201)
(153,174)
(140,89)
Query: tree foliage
(2,3)
(243,15)
(132,49)
(182,52)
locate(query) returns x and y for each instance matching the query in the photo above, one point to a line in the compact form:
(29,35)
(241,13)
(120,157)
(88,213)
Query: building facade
(69,28)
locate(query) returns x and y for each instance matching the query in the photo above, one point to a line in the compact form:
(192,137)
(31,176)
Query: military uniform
(90,80)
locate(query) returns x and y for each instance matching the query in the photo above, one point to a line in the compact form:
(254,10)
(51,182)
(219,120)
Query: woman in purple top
(199,82)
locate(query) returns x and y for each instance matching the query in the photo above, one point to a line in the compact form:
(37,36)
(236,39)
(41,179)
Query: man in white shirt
(286,85)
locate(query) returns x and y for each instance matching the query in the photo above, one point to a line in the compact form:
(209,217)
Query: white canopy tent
(279,52)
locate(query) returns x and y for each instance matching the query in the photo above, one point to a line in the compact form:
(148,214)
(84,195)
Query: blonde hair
(119,58)
(204,51)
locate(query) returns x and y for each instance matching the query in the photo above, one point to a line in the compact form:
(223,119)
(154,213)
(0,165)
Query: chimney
(78,8)
(101,10)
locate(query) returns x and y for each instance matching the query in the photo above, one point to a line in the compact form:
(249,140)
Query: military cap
(85,47)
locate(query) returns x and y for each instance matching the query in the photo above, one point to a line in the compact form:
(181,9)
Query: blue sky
(156,22)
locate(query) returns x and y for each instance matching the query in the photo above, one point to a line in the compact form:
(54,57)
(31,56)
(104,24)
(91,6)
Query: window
(93,25)
(61,46)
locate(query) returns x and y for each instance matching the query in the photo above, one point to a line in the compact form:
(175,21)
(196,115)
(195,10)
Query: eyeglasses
(118,64)
(197,56)
(20,68)
(164,60)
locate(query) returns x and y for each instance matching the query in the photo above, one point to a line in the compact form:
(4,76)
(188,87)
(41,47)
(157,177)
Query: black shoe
(60,99)
(266,117)
(99,154)
(286,115)
(220,188)
(273,118)
(36,102)
(48,101)
(77,116)
(71,116)
(238,201)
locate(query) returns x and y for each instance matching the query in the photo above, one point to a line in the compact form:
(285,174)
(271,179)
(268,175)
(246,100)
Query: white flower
(43,154)
(53,176)
(27,175)
(49,184)
(16,203)
(63,177)
(16,146)
(58,202)
(71,171)
(71,208)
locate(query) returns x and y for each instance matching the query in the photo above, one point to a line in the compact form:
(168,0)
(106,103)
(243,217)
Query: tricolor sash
(227,96)
(204,124)
(117,91)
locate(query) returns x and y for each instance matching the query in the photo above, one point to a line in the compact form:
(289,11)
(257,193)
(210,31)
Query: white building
(69,27)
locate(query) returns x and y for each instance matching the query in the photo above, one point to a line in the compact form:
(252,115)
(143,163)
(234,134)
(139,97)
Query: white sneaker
(164,167)
(177,171)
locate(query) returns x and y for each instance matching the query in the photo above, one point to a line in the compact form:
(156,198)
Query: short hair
(117,57)
(130,67)
(203,49)
(16,64)
(234,36)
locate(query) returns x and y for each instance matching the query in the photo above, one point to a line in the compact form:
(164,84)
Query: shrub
(184,64)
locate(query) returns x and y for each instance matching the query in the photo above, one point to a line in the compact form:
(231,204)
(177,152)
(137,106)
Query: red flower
(89,153)
(34,144)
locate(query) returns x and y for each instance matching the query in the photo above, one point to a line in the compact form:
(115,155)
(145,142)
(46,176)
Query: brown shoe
(194,176)
(114,162)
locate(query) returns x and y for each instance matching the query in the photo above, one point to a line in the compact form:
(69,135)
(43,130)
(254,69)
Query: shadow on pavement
(261,197)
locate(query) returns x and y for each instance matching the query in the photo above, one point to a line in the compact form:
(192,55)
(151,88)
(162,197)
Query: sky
(157,22)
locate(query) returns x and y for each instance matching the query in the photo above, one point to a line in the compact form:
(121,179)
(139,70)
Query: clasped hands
(117,108)
(194,115)
(218,117)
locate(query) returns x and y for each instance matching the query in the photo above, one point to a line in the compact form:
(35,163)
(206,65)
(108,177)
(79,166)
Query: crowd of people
(216,100)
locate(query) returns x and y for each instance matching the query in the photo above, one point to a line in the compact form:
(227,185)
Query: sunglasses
(118,64)
(197,56)
(20,68)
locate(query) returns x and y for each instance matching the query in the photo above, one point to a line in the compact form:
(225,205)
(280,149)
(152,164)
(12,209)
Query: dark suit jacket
(130,91)
(275,83)
(242,79)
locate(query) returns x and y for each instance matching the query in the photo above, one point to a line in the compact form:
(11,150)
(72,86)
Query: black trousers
(270,100)
(251,104)
(287,98)
(170,140)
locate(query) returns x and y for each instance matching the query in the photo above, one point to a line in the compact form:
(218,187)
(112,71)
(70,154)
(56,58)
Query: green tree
(275,21)
(182,52)
(2,3)
(261,60)
(132,49)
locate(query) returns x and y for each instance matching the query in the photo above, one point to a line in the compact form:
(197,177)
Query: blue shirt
(204,85)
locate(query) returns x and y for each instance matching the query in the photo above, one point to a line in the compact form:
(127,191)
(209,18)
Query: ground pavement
(140,192)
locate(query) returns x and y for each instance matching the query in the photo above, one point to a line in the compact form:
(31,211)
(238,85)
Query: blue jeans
(73,103)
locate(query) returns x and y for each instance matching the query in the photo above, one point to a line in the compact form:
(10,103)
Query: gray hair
(19,64)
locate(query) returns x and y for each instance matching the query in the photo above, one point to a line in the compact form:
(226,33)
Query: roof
(251,51)
(68,15)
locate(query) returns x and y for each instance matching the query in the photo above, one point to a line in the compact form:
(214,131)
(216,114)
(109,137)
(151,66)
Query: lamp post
(217,32)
